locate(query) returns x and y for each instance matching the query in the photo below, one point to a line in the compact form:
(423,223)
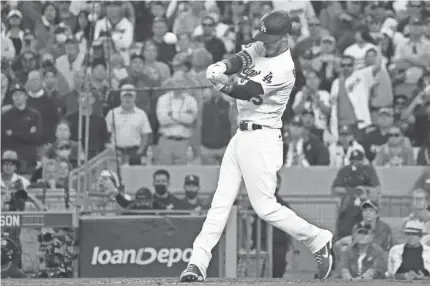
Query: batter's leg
(259,158)
(229,182)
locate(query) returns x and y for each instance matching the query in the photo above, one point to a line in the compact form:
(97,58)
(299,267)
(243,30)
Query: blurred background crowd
(131,75)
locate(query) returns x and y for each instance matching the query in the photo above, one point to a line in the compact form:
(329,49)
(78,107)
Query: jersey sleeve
(251,52)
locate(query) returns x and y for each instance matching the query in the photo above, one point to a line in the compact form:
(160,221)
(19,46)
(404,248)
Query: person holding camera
(9,253)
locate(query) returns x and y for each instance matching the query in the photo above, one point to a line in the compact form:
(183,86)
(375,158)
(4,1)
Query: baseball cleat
(191,274)
(324,261)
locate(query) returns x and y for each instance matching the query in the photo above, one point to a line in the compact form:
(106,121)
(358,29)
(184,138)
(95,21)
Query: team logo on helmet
(263,28)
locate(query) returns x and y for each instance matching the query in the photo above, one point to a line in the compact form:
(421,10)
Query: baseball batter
(254,154)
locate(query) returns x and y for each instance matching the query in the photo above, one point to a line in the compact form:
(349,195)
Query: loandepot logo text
(141,256)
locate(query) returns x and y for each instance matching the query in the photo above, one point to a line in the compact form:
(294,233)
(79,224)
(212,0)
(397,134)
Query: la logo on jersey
(263,28)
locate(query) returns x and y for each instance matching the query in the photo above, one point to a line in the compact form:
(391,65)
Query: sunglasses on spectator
(314,24)
(208,24)
(64,148)
(346,65)
(29,59)
(8,162)
(395,134)
(365,232)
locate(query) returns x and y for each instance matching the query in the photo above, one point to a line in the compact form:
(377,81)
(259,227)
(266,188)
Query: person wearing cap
(108,182)
(143,200)
(396,152)
(177,113)
(381,232)
(22,129)
(132,129)
(10,180)
(303,148)
(116,27)
(191,200)
(356,174)
(72,61)
(363,260)
(377,135)
(410,260)
(267,73)
(341,150)
(15,33)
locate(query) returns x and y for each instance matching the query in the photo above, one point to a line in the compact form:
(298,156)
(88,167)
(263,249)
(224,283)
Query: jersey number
(257,100)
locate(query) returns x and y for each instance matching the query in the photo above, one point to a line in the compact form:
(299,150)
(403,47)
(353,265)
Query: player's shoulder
(255,48)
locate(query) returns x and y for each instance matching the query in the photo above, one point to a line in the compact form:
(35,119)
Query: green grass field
(174,281)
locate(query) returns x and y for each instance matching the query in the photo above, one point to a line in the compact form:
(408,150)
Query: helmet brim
(266,38)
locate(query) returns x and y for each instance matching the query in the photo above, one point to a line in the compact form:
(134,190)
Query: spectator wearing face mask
(411,260)
(396,152)
(191,200)
(143,200)
(163,199)
(363,260)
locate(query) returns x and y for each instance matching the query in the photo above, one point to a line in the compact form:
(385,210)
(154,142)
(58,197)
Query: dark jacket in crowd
(21,131)
(48,111)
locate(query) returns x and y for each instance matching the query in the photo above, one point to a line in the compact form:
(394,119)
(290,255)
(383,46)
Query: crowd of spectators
(136,70)
(131,75)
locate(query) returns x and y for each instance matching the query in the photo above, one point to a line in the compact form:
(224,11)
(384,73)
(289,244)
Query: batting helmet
(273,26)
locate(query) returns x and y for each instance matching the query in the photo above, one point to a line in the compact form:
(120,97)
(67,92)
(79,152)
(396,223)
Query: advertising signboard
(139,246)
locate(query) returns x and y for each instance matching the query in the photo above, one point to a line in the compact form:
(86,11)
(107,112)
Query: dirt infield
(174,281)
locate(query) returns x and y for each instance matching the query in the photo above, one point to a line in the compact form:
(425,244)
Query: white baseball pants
(255,156)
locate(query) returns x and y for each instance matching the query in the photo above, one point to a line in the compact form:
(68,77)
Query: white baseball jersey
(277,77)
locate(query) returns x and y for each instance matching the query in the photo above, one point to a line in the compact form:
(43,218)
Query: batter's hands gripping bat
(216,75)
